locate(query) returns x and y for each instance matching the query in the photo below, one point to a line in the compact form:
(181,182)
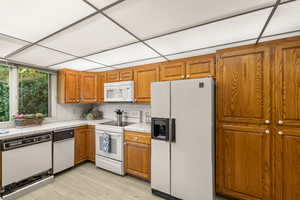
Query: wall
(133,112)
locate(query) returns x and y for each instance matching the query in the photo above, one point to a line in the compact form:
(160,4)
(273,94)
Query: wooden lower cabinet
(287,166)
(138,154)
(84,144)
(244,162)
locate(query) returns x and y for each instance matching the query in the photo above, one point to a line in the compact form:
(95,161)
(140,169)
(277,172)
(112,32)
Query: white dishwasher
(25,157)
(63,150)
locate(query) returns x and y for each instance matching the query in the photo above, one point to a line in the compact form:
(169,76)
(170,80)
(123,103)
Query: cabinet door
(287,84)
(72,87)
(245,162)
(91,146)
(287,164)
(172,71)
(81,153)
(201,66)
(88,87)
(143,77)
(137,159)
(126,75)
(100,87)
(112,76)
(243,82)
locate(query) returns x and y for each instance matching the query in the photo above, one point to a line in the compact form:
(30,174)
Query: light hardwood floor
(86,182)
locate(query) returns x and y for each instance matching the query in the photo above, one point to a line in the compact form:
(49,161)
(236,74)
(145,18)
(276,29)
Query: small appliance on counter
(119,114)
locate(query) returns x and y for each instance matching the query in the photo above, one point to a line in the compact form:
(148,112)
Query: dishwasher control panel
(25,141)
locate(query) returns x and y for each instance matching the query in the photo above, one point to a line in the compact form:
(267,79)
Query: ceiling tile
(8,45)
(101,69)
(143,62)
(90,36)
(102,3)
(41,56)
(151,18)
(285,19)
(128,53)
(34,19)
(231,30)
(208,51)
(78,64)
(280,36)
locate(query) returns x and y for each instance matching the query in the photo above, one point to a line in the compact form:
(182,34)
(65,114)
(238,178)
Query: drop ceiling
(100,35)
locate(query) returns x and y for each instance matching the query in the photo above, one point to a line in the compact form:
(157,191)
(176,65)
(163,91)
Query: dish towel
(106,144)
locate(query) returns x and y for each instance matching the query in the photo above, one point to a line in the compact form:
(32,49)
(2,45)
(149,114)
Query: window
(4,93)
(33,91)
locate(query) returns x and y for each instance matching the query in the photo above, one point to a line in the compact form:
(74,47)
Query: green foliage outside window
(33,91)
(4,93)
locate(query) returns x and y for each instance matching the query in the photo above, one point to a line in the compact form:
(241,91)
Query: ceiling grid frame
(275,6)
(125,29)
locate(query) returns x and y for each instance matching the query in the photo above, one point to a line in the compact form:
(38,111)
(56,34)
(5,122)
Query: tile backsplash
(133,112)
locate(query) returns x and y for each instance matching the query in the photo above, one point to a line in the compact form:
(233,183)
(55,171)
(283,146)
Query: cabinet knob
(280,133)
(280,122)
(188,76)
(267,131)
(267,121)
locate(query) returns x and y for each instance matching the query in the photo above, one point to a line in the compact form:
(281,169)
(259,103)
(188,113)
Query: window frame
(14,93)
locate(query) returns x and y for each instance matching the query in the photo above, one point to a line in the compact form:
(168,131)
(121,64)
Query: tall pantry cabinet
(258,122)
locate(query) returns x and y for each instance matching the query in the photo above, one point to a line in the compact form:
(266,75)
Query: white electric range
(113,160)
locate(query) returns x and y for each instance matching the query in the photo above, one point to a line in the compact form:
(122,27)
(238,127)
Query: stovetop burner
(114,123)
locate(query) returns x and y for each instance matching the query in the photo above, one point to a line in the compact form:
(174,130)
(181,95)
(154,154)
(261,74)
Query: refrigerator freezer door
(192,167)
(160,149)
(160,99)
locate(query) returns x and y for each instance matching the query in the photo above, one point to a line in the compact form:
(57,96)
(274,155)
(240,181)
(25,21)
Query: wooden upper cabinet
(126,74)
(143,77)
(100,86)
(246,162)
(68,86)
(243,82)
(287,84)
(173,70)
(88,87)
(287,164)
(200,67)
(112,76)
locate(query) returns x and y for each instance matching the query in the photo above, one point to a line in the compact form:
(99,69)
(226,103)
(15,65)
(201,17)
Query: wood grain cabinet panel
(126,74)
(200,67)
(81,141)
(100,86)
(287,164)
(172,71)
(245,164)
(288,84)
(91,143)
(68,86)
(143,77)
(112,76)
(88,86)
(138,154)
(243,83)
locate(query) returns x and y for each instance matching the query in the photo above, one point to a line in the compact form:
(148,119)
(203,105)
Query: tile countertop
(139,127)
(52,126)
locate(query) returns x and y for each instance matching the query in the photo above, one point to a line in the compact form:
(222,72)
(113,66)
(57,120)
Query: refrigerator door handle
(173,130)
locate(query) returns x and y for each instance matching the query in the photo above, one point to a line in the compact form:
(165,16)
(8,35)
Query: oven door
(116,149)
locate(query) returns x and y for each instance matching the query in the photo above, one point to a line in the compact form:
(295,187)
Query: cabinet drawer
(137,137)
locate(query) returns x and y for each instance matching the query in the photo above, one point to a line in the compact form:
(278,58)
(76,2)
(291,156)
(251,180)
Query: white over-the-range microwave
(119,91)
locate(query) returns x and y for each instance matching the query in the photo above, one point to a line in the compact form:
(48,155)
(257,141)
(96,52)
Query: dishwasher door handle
(59,141)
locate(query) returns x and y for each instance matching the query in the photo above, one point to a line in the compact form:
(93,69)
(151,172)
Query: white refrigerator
(182,152)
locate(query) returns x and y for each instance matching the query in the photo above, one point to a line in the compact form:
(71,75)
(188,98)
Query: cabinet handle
(280,133)
(182,76)
(267,121)
(267,131)
(188,76)
(280,122)
(136,138)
